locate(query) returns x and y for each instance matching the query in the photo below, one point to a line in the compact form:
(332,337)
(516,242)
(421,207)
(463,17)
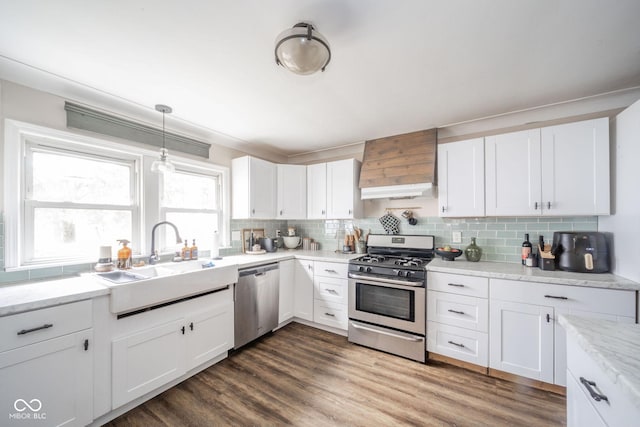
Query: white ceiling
(397,66)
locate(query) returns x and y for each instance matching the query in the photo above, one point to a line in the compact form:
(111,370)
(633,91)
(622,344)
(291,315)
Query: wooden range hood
(401,166)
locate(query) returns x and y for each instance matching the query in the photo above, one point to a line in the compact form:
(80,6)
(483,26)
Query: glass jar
(473,252)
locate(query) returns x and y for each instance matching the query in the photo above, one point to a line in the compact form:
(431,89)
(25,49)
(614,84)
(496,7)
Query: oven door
(393,305)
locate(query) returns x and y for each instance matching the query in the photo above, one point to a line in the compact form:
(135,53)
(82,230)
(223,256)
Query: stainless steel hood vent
(398,167)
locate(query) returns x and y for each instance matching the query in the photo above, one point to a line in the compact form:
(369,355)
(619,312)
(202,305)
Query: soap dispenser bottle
(124,255)
(194,250)
(186,251)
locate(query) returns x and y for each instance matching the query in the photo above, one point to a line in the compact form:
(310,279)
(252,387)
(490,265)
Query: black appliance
(581,251)
(387,295)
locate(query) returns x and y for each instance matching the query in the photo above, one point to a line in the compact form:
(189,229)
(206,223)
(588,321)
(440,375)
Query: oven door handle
(364,328)
(385,280)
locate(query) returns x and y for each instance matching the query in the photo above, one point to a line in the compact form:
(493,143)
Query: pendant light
(163,165)
(302,49)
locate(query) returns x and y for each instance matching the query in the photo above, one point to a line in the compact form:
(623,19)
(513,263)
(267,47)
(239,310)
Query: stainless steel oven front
(388,302)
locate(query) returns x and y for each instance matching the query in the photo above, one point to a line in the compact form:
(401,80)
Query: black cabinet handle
(86,345)
(457,285)
(191,326)
(26,331)
(549,318)
(455,311)
(555,297)
(589,384)
(182,329)
(456,344)
(330,314)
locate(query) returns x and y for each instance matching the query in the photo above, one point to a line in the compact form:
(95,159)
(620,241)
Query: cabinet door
(512,174)
(303,290)
(209,333)
(287,281)
(461,178)
(146,360)
(50,382)
(575,168)
(317,191)
(343,194)
(262,193)
(521,339)
(292,192)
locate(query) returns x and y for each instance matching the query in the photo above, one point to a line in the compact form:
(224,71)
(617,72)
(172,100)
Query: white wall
(624,223)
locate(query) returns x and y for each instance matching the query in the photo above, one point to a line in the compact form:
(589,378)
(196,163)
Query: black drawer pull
(456,344)
(457,285)
(330,314)
(555,297)
(455,311)
(26,331)
(589,384)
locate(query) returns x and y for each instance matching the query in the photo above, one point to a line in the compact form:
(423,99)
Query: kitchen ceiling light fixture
(302,50)
(163,165)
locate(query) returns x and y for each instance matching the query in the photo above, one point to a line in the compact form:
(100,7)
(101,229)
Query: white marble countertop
(615,347)
(512,271)
(16,298)
(19,297)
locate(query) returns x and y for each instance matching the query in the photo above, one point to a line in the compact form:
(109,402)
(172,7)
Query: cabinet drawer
(39,325)
(458,284)
(619,410)
(458,343)
(597,300)
(331,269)
(330,314)
(330,289)
(458,310)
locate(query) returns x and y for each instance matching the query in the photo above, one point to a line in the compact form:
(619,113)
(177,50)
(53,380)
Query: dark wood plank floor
(303,376)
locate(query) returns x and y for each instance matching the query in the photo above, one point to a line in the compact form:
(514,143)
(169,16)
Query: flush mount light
(163,165)
(302,49)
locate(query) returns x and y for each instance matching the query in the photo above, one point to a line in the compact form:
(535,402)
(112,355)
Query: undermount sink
(156,284)
(122,276)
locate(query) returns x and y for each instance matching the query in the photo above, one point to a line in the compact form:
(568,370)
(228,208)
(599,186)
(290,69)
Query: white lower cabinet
(458,317)
(286,294)
(46,372)
(330,285)
(585,376)
(525,336)
(195,332)
(303,289)
(522,339)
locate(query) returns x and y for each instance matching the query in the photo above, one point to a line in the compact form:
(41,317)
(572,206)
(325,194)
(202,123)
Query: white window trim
(15,135)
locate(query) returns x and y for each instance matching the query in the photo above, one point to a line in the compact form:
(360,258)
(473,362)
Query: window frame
(147,184)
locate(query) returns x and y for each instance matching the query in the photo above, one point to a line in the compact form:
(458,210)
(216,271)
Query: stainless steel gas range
(387,296)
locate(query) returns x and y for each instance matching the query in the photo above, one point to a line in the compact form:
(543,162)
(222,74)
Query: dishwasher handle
(258,270)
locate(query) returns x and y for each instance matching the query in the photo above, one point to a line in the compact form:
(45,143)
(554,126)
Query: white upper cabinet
(333,191)
(317,191)
(253,188)
(343,192)
(554,171)
(461,178)
(512,174)
(575,168)
(291,192)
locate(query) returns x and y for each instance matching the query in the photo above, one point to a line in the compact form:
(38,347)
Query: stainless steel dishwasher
(256,302)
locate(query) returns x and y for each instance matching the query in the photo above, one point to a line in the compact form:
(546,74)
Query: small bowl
(292,242)
(448,255)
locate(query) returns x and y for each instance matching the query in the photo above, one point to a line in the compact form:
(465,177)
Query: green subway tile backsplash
(500,238)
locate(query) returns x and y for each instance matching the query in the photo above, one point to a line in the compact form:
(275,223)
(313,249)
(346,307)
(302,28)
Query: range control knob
(361,269)
(400,273)
(408,273)
(369,269)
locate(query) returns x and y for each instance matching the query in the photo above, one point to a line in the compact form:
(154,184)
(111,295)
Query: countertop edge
(511,271)
(571,324)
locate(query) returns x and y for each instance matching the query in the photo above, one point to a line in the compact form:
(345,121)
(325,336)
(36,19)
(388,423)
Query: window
(191,199)
(65,195)
(76,201)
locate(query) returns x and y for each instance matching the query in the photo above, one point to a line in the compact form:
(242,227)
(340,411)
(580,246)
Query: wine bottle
(526,249)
